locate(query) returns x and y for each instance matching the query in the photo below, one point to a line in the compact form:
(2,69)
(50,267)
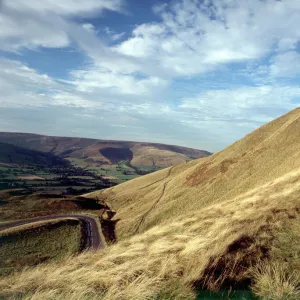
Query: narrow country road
(93,239)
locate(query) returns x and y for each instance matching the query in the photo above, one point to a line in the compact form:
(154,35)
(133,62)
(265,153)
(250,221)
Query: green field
(44,171)
(33,246)
(51,179)
(121,172)
(56,179)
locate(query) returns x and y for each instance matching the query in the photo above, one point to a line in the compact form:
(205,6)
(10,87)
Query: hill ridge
(98,152)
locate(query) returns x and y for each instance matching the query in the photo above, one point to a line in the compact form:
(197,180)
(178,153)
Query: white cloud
(70,99)
(20,31)
(246,103)
(47,23)
(66,7)
(23,86)
(114,36)
(195,37)
(145,42)
(225,114)
(90,28)
(97,79)
(285,65)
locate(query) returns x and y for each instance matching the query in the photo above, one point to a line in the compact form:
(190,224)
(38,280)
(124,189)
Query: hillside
(268,153)
(104,152)
(10,154)
(227,221)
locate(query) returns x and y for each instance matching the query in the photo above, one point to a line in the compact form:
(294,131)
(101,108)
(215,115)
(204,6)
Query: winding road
(92,235)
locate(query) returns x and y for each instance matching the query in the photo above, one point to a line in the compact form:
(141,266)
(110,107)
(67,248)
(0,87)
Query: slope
(264,155)
(18,155)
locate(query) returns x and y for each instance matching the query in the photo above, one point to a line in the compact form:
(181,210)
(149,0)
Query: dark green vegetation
(223,223)
(42,176)
(11,154)
(54,179)
(32,246)
(117,154)
(44,172)
(226,295)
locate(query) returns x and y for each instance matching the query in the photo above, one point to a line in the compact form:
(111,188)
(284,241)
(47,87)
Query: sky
(195,73)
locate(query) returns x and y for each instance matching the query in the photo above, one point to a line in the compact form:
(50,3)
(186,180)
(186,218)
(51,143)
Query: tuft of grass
(279,276)
(276,281)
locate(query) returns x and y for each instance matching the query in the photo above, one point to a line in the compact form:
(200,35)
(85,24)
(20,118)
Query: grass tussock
(171,259)
(276,281)
(279,276)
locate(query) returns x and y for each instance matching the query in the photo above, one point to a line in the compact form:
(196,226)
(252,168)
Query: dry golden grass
(276,281)
(148,155)
(266,154)
(279,277)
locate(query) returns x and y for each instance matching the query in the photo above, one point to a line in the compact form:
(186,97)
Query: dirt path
(169,173)
(155,203)
(93,239)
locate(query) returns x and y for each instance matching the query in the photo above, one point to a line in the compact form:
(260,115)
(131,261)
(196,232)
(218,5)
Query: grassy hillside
(227,221)
(29,247)
(264,155)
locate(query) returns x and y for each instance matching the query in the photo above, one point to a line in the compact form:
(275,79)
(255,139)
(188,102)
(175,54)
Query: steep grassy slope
(223,221)
(94,151)
(264,155)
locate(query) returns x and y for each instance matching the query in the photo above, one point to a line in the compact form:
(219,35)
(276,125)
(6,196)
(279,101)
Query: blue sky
(197,73)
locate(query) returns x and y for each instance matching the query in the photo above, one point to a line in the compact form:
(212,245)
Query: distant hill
(104,152)
(10,154)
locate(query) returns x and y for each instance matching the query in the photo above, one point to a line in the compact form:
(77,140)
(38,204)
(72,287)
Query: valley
(40,196)
(225,226)
(76,165)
